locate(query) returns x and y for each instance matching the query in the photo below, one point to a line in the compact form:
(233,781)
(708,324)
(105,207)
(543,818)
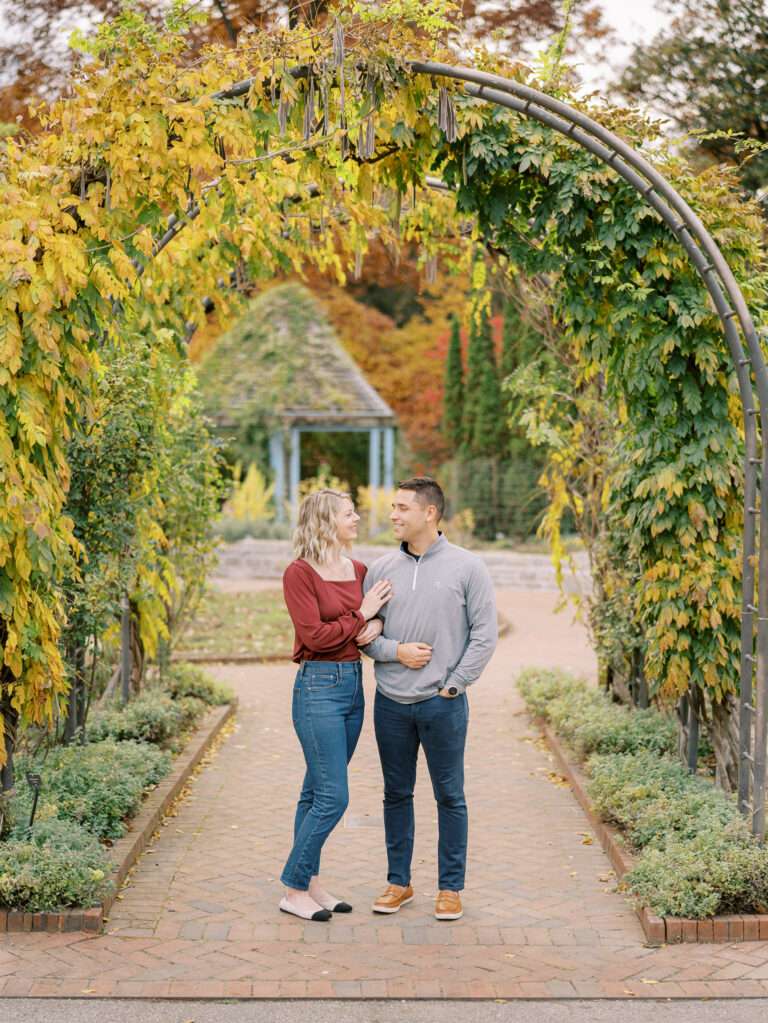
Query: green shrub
(96,785)
(189,680)
(715,872)
(150,717)
(697,857)
(589,720)
(540,686)
(591,723)
(58,864)
(654,799)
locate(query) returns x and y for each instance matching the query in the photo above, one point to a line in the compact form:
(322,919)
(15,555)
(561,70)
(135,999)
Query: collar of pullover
(432,549)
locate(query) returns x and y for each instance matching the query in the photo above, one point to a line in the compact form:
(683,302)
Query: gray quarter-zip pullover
(444,598)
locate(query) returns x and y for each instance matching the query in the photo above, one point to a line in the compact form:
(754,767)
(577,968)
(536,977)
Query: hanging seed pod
(324,101)
(446,115)
(283,110)
(273,86)
(338,43)
(343,114)
(358,271)
(396,212)
(430,269)
(464,165)
(309,107)
(366,139)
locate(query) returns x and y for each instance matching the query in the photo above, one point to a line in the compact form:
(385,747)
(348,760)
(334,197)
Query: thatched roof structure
(282,364)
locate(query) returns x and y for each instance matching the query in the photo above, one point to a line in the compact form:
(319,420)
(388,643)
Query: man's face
(409,516)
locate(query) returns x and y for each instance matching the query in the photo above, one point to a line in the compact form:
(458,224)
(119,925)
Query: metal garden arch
(731,307)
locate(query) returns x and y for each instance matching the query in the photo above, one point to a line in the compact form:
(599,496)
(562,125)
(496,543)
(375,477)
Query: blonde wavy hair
(315,535)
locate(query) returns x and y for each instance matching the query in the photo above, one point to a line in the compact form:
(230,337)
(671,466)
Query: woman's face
(346,522)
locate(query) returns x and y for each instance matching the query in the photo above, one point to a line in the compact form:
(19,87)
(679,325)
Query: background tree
(36,58)
(453,402)
(708,72)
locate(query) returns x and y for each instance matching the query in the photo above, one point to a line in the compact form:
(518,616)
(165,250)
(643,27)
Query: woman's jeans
(440,726)
(328,705)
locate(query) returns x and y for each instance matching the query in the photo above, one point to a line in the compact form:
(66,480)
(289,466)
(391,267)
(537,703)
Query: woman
(332,619)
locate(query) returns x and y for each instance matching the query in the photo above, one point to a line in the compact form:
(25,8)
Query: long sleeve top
(324,613)
(444,598)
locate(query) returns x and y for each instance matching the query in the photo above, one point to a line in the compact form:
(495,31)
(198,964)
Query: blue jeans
(440,726)
(328,706)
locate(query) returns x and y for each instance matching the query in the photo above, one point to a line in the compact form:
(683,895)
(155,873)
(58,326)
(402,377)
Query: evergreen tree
(453,399)
(489,414)
(479,353)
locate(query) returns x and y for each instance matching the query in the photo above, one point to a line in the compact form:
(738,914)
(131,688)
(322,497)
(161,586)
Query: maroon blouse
(324,613)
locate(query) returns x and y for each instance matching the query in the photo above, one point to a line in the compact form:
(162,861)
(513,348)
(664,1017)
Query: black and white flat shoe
(334,905)
(320,915)
(338,907)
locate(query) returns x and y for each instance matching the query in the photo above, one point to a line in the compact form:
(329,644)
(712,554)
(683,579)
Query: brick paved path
(542,919)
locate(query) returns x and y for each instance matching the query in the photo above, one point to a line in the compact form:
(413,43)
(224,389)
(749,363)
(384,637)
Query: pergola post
(295,473)
(277,465)
(374,476)
(389,457)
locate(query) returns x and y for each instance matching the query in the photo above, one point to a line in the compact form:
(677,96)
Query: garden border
(658,930)
(126,850)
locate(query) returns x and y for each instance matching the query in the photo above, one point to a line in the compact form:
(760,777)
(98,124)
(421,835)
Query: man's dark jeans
(440,726)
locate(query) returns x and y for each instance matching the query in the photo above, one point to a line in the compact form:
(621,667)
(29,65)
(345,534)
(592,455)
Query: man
(439,633)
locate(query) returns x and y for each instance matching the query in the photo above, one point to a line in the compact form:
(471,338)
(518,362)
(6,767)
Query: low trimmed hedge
(56,865)
(187,680)
(97,785)
(591,722)
(696,856)
(88,791)
(153,717)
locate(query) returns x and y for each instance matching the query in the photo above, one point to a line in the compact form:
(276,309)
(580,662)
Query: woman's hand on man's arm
(371,631)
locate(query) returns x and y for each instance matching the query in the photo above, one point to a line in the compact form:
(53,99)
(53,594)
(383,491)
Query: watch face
(453,690)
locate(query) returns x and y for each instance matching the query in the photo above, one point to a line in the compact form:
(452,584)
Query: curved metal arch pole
(652,186)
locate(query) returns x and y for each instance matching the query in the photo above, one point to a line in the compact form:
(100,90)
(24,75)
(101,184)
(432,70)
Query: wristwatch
(452,691)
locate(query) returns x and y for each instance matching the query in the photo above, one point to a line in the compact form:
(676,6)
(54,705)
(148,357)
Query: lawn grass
(255,624)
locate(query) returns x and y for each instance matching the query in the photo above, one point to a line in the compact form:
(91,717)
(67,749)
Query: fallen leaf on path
(557,779)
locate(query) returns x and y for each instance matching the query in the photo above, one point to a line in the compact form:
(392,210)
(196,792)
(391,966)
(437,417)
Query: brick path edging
(658,930)
(126,850)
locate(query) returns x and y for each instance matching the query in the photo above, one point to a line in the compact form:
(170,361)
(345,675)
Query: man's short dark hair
(427,490)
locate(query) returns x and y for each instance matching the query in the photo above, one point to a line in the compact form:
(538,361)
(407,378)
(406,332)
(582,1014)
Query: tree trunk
(724,733)
(10,723)
(76,696)
(137,655)
(691,713)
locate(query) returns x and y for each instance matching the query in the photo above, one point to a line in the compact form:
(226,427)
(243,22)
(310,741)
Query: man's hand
(371,631)
(414,655)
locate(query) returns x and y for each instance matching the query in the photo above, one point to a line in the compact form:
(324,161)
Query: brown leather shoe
(448,906)
(393,898)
